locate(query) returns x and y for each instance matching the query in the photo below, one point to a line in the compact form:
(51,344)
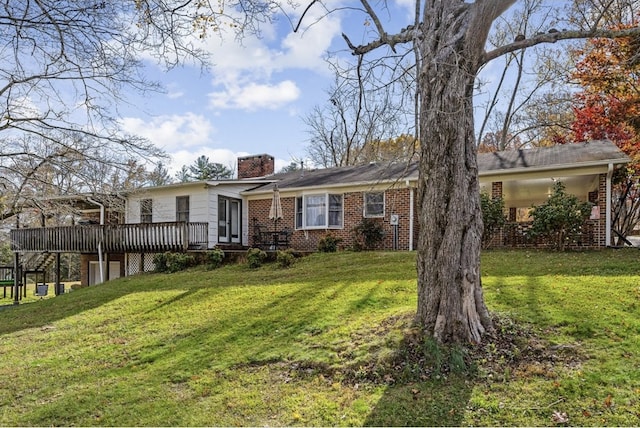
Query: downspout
(99,242)
(411,219)
(608,207)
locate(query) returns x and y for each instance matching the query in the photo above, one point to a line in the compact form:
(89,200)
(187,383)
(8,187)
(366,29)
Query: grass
(327,342)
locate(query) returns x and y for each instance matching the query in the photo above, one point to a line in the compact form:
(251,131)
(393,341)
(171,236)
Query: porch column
(608,207)
(496,193)
(496,189)
(56,287)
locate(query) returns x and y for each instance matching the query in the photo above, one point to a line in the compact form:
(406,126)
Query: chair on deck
(267,239)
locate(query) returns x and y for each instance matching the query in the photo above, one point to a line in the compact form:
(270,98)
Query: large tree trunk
(450,302)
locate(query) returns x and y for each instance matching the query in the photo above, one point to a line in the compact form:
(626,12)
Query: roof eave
(554,167)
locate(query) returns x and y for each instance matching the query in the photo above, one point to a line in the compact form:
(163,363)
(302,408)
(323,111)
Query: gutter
(250,193)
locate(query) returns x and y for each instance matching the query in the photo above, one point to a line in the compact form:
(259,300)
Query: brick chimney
(255,166)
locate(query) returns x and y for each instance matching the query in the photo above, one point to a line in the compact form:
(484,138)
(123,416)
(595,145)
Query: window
(319,211)
(146,211)
(182,208)
(374,204)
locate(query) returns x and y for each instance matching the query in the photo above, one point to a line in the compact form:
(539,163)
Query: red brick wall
(255,166)
(496,189)
(396,202)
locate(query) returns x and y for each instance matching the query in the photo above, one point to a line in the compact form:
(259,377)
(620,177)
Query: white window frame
(301,217)
(184,213)
(146,210)
(366,205)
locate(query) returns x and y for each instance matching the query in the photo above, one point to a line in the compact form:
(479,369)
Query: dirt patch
(515,350)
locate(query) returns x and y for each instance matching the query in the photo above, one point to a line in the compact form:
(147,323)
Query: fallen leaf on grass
(559,417)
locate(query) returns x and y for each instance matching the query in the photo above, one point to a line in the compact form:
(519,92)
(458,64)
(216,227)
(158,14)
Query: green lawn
(328,342)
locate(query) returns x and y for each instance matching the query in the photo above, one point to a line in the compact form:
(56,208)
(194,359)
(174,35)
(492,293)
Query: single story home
(121,239)
(333,201)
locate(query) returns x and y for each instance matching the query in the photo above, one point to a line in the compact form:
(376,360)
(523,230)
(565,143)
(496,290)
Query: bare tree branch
(554,36)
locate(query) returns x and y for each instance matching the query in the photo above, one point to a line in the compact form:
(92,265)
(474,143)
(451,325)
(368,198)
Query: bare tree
(66,68)
(160,175)
(366,105)
(529,79)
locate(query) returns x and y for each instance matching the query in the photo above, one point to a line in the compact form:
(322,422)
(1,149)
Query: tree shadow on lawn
(433,403)
(87,298)
(428,384)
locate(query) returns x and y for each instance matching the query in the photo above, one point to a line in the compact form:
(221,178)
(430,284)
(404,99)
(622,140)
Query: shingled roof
(599,152)
(556,157)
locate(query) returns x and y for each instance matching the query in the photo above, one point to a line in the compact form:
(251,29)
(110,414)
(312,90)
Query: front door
(229,215)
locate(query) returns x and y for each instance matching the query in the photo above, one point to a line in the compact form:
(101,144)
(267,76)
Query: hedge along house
(192,216)
(335,201)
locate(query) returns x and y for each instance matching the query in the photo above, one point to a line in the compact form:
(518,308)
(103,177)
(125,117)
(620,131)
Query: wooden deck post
(56,287)
(16,279)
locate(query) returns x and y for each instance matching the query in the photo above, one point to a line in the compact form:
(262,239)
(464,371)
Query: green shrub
(160,262)
(493,217)
(6,255)
(285,258)
(172,262)
(560,218)
(214,258)
(329,244)
(368,234)
(255,257)
(179,261)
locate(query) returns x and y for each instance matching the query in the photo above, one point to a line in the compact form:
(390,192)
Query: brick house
(235,214)
(321,202)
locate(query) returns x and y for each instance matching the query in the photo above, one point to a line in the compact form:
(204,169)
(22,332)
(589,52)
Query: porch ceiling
(524,194)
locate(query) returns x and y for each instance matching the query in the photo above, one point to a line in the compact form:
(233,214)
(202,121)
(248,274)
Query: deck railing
(142,237)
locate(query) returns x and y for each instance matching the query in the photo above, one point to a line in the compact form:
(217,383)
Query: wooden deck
(118,238)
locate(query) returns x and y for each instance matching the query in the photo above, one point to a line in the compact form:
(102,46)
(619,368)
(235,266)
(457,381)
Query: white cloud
(173,95)
(243,73)
(255,96)
(277,49)
(173,131)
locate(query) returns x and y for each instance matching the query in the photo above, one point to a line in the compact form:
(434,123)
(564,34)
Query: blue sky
(253,98)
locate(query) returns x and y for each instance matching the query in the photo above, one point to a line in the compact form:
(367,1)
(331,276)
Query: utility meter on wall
(394,219)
